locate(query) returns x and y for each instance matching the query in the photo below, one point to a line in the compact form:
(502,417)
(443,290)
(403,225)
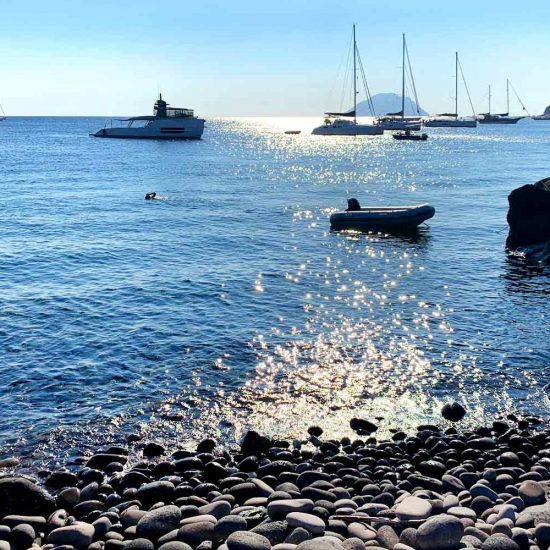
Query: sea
(228,304)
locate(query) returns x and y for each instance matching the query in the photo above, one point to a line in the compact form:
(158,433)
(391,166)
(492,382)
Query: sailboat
(339,124)
(452,120)
(502,118)
(398,121)
(2,114)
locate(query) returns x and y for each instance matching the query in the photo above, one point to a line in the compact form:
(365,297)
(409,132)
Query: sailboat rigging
(452,120)
(337,123)
(398,121)
(502,118)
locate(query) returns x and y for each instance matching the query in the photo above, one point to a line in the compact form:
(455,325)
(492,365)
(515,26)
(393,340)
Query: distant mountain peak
(388,103)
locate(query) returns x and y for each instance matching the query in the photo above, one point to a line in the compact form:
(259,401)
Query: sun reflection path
(370,346)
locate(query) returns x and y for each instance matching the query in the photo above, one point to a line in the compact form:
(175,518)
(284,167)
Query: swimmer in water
(150,196)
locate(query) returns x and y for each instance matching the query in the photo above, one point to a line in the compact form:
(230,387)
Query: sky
(263,57)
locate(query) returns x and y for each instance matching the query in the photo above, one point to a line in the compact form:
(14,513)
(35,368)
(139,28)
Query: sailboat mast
(354,76)
(403,83)
(456,84)
(507,96)
(489,99)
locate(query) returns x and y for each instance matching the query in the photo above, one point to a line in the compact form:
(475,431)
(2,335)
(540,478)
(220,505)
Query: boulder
(20,496)
(254,444)
(529,215)
(441,532)
(411,508)
(532,493)
(532,516)
(453,411)
(158,522)
(499,542)
(245,540)
(78,534)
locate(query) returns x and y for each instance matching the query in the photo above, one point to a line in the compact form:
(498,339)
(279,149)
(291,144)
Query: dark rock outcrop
(529,215)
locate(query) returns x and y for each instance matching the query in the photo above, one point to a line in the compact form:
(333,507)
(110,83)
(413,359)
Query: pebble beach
(439,488)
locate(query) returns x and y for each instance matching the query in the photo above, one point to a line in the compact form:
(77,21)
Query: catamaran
(345,124)
(452,120)
(502,118)
(398,121)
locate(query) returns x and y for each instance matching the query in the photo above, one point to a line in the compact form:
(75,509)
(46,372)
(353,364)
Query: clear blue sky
(110,57)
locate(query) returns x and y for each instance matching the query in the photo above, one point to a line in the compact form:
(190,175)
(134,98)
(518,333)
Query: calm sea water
(229,304)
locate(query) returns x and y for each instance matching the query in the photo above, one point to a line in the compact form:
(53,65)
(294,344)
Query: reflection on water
(231,304)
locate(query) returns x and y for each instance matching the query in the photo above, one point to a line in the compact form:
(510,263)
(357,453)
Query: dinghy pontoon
(380,217)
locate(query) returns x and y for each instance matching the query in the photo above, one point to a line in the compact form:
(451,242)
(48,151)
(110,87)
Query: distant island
(388,103)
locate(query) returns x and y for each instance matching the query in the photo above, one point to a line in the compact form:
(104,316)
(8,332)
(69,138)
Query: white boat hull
(348,130)
(382,218)
(450,123)
(399,125)
(184,128)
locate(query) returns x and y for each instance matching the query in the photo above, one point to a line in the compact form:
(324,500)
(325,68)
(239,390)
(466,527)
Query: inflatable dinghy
(380,217)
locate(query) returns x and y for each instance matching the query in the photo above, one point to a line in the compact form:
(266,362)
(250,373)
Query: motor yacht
(165,123)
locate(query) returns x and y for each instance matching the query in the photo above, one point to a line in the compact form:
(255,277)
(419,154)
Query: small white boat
(396,218)
(343,127)
(450,121)
(166,123)
(391,123)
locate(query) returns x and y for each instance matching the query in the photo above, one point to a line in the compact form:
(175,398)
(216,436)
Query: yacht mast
(507,97)
(354,77)
(456,84)
(489,99)
(403,83)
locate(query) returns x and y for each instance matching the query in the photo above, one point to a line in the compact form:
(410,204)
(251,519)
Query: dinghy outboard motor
(150,196)
(353,205)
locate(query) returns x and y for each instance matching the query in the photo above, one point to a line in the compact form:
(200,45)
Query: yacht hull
(508,120)
(192,129)
(399,125)
(351,130)
(451,123)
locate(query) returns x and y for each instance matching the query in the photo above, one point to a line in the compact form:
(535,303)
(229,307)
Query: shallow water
(229,304)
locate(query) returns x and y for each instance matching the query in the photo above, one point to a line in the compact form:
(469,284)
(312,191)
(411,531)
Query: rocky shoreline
(437,489)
